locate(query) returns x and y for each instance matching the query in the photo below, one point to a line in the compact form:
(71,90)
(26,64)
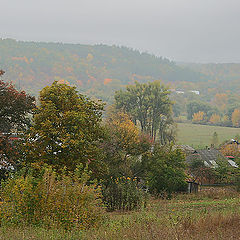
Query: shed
(192,186)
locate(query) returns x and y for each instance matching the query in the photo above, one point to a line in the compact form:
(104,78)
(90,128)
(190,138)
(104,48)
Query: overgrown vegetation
(51,201)
(124,193)
(211,214)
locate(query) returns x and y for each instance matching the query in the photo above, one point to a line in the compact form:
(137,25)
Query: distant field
(200,135)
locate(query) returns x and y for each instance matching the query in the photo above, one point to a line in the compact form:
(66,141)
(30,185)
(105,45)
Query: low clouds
(182,30)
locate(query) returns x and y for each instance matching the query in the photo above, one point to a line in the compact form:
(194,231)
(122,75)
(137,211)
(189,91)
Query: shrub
(51,201)
(166,170)
(123,193)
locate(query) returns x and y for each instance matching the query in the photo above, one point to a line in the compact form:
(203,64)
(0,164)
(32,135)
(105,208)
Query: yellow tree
(123,145)
(125,130)
(225,118)
(236,118)
(215,118)
(198,117)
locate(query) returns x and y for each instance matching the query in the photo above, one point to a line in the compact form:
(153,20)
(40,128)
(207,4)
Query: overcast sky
(181,30)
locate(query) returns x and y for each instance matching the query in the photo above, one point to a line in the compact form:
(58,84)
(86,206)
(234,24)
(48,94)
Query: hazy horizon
(189,31)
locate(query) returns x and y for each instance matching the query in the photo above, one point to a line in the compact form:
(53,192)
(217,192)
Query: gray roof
(185,148)
(210,157)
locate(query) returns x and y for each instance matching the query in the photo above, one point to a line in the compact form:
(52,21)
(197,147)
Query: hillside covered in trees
(224,76)
(96,70)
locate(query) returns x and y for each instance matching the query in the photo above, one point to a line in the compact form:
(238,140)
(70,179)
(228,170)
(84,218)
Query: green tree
(149,105)
(215,140)
(197,106)
(166,170)
(223,172)
(66,129)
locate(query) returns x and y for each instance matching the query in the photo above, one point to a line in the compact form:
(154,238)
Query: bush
(123,193)
(62,202)
(166,171)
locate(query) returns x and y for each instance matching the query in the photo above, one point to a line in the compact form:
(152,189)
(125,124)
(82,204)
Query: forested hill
(96,70)
(223,76)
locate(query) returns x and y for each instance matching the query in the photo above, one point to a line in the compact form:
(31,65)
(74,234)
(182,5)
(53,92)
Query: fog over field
(181,30)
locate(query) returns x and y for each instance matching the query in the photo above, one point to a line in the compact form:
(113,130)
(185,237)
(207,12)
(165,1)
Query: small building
(192,186)
(180,92)
(195,92)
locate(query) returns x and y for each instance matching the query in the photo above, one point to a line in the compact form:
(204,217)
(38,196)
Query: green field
(200,135)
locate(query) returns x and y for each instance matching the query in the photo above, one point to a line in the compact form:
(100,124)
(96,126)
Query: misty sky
(181,30)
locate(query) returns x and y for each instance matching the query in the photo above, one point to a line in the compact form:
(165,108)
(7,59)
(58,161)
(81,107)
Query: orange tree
(66,129)
(230,150)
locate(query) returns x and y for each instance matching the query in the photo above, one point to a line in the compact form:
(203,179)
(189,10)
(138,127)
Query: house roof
(210,157)
(186,149)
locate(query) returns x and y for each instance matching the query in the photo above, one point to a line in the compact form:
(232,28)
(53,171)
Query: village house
(210,158)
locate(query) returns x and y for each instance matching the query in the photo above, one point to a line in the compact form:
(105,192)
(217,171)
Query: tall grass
(207,215)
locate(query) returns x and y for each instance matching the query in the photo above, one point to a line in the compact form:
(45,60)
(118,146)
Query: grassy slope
(212,214)
(200,135)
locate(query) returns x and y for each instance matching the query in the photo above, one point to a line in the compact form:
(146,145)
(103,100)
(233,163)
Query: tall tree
(66,129)
(214,140)
(148,104)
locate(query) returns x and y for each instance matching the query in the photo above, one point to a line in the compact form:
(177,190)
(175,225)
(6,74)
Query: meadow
(210,214)
(199,136)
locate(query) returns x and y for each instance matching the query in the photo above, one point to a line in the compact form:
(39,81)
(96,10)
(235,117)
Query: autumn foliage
(230,150)
(215,119)
(198,117)
(236,118)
